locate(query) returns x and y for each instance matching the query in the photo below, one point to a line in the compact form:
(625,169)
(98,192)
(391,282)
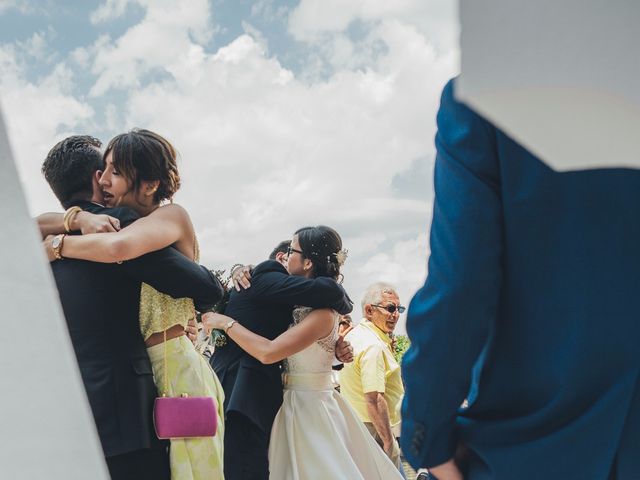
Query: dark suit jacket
(250,387)
(540,271)
(101,304)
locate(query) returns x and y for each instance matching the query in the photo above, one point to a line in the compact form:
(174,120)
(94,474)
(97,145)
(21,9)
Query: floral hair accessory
(341,257)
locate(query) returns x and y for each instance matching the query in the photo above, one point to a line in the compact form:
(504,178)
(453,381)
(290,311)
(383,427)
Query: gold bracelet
(69,215)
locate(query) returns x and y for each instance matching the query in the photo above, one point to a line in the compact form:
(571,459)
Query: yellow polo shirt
(374,369)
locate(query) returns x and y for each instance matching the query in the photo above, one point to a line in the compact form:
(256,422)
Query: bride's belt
(308,381)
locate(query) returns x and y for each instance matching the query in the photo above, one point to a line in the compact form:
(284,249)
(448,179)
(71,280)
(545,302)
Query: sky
(285,113)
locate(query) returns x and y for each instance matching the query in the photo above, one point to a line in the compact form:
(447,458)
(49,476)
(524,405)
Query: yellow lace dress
(187,372)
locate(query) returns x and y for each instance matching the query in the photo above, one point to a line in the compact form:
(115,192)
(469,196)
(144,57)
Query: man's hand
(392,449)
(46,243)
(211,320)
(191,330)
(447,471)
(88,222)
(240,276)
(344,350)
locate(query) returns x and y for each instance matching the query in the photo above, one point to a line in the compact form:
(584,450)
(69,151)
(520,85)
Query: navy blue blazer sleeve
(271,282)
(450,317)
(170,272)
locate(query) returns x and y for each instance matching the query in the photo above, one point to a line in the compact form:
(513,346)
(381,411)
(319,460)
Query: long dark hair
(321,245)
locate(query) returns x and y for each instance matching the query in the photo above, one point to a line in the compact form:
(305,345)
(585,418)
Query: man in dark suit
(530,310)
(253,390)
(101,304)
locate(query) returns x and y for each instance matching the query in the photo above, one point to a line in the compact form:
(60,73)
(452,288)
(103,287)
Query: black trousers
(246,449)
(147,464)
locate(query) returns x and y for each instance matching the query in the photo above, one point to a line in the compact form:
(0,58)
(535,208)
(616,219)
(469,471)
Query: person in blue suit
(532,304)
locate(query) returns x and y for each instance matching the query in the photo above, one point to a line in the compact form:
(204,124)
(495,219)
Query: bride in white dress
(316,434)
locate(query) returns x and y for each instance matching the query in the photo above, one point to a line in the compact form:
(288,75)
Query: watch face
(56,242)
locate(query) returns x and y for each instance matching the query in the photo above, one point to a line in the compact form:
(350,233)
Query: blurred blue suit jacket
(534,280)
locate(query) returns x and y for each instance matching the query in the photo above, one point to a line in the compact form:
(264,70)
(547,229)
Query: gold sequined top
(159,312)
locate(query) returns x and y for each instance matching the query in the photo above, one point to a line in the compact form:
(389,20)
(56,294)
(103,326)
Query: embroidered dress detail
(319,354)
(156,306)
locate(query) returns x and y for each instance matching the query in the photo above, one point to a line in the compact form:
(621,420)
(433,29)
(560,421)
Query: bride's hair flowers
(341,256)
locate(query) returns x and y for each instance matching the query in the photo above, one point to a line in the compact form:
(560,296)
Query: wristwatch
(56,245)
(228,325)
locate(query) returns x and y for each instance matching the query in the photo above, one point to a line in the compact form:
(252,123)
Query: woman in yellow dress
(141,173)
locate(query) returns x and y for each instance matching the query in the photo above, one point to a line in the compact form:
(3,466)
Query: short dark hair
(70,166)
(321,245)
(142,155)
(282,247)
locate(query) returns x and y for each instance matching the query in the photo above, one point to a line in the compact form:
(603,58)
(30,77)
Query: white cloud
(109,10)
(35,46)
(37,114)
(256,34)
(81,56)
(268,10)
(312,20)
(313,17)
(165,40)
(23,6)
(112,117)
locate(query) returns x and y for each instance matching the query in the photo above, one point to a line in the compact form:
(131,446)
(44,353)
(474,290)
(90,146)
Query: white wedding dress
(316,434)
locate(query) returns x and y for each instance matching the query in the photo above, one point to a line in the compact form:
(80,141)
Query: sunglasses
(290,250)
(391,308)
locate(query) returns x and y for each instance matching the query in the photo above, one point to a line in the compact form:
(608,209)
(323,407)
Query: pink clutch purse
(185,417)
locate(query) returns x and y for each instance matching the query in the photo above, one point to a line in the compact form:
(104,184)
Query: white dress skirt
(316,434)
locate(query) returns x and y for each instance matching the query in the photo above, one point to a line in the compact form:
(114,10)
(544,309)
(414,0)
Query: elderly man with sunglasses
(372,383)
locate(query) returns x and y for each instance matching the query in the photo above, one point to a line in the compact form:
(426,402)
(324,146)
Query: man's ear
(281,258)
(95,182)
(368,311)
(96,189)
(308,264)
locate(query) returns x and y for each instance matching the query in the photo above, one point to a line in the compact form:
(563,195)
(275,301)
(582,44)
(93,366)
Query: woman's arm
(318,324)
(85,222)
(163,227)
